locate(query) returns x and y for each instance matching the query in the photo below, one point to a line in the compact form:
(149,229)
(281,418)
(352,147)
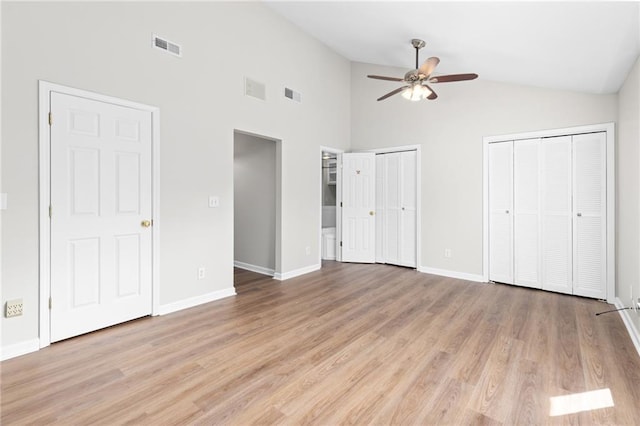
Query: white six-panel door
(589,218)
(500,212)
(100,197)
(358,207)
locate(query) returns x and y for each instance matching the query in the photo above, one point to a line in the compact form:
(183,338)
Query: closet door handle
(579,214)
(506,211)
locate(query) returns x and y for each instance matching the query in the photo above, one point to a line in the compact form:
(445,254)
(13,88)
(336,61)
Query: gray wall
(450,131)
(628,179)
(254,198)
(105,47)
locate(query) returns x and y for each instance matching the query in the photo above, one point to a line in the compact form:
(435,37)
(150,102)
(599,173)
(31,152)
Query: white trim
(566,131)
(609,129)
(20,348)
(195,301)
(634,334)
(393,149)
(296,272)
(44,92)
(452,274)
(253,268)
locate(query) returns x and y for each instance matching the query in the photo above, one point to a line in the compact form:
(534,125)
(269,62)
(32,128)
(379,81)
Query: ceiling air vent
(292,94)
(167,46)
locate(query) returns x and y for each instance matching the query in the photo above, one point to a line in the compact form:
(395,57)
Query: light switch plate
(214,201)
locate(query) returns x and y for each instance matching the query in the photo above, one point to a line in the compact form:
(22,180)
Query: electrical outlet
(13,308)
(307,250)
(448,253)
(201,273)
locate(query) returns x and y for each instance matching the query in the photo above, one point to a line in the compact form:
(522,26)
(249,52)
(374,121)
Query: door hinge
(49,303)
(340,243)
(50,212)
(50,119)
(340,203)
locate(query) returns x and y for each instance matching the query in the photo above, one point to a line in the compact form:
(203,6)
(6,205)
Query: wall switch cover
(214,202)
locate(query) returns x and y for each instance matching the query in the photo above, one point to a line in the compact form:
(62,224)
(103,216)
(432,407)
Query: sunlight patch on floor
(578,402)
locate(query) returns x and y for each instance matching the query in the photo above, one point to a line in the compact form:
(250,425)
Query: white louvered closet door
(396,220)
(526,212)
(408,209)
(392,205)
(589,219)
(556,214)
(381,171)
(500,212)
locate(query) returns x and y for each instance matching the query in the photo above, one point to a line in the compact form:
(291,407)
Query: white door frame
(609,129)
(338,197)
(44,92)
(277,272)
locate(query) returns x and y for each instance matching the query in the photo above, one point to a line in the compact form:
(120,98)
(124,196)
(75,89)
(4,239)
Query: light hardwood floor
(362,344)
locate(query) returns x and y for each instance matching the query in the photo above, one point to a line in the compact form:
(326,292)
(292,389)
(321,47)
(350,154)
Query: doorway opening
(256,193)
(330,195)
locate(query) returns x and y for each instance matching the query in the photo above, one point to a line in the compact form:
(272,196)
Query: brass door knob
(145,223)
(371,213)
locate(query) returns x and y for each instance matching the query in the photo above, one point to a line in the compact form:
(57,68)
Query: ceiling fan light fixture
(417,92)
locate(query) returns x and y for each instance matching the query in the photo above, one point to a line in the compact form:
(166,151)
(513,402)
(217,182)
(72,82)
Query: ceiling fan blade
(428,66)
(393,92)
(433,94)
(381,77)
(452,77)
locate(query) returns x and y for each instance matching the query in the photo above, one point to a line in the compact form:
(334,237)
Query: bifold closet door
(500,212)
(408,209)
(589,218)
(381,171)
(396,208)
(556,233)
(526,212)
(392,242)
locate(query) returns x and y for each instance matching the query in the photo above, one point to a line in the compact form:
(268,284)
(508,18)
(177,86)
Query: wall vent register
(255,89)
(292,94)
(166,45)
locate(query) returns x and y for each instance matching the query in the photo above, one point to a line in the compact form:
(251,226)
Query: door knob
(506,211)
(579,214)
(371,213)
(145,223)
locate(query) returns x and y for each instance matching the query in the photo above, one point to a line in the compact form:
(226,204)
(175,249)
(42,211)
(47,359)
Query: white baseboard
(253,268)
(21,348)
(452,274)
(628,322)
(195,301)
(296,272)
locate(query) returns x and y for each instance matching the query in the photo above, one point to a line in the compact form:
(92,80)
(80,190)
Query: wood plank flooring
(356,344)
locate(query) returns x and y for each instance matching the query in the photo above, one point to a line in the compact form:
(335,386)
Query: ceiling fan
(417,87)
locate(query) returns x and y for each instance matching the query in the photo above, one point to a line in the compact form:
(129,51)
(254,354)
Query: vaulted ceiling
(582,46)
